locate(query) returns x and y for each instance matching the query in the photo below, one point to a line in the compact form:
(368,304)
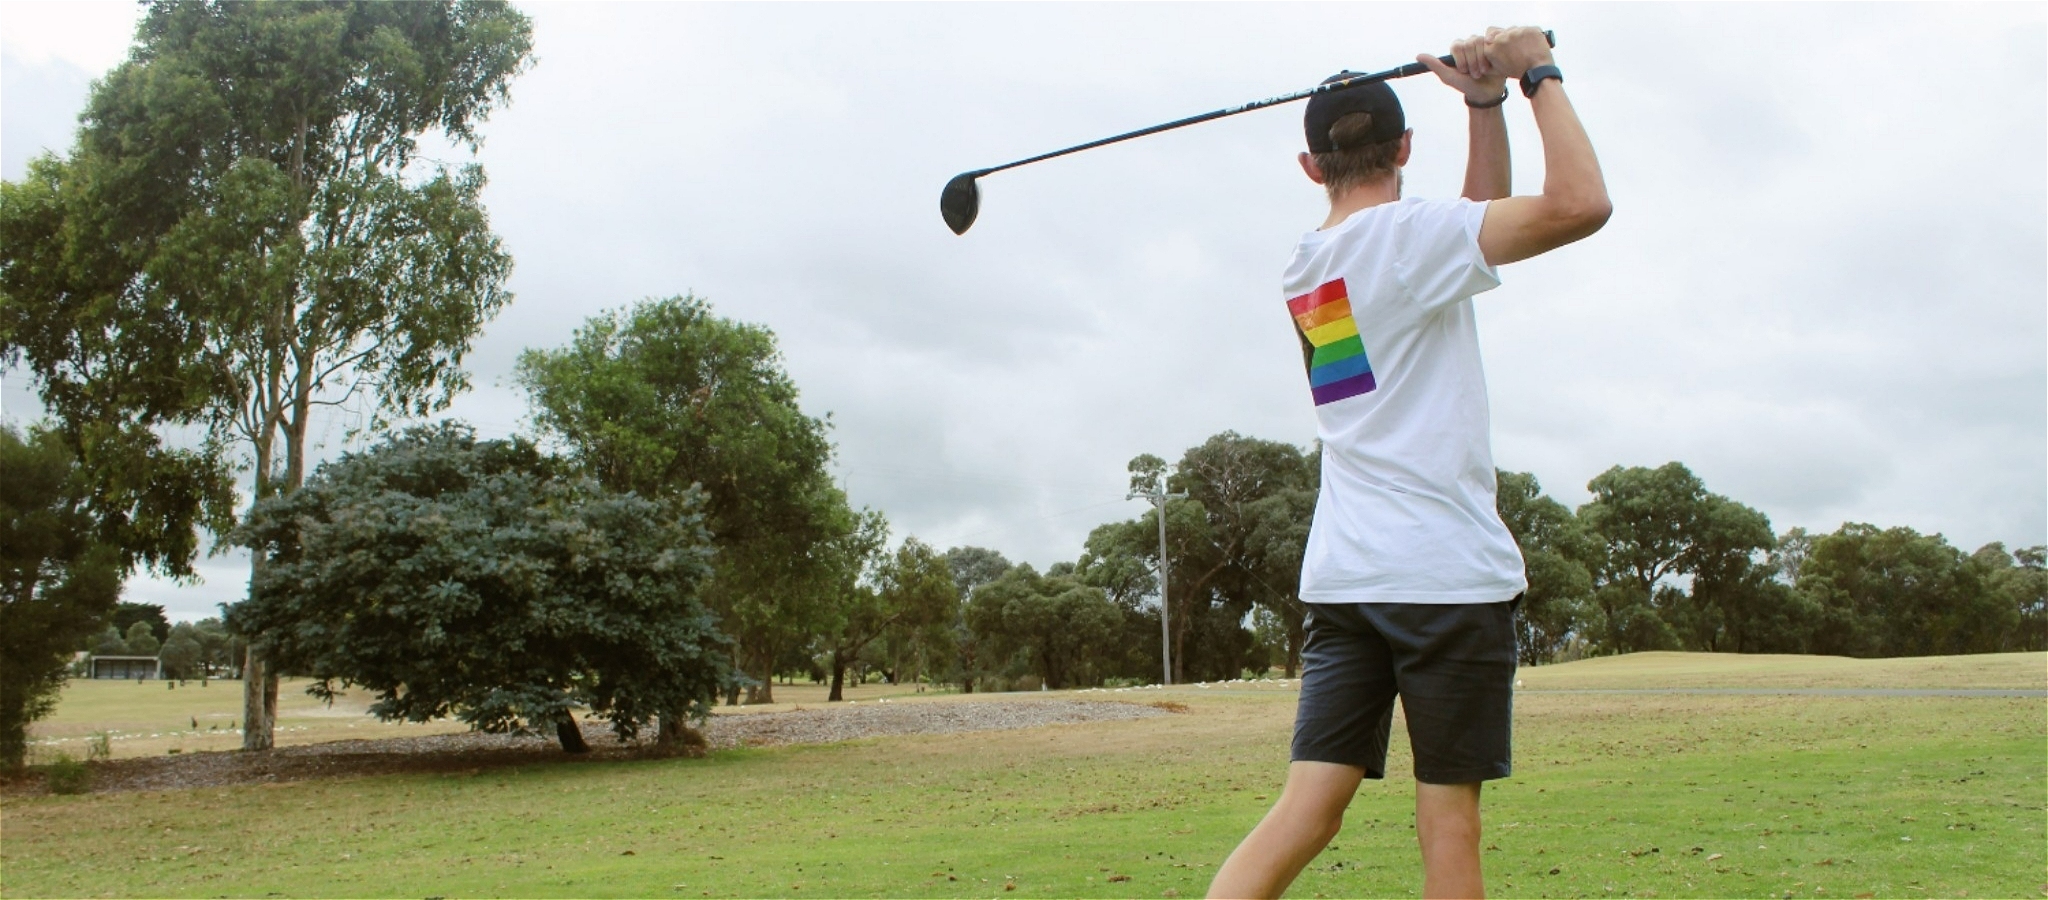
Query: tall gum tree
(1554,547)
(1232,542)
(665,398)
(972,567)
(245,231)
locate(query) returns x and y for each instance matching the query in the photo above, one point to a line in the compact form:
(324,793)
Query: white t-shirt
(1406,513)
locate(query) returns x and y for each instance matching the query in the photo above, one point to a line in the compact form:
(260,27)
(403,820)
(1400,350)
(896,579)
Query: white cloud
(92,35)
(1823,287)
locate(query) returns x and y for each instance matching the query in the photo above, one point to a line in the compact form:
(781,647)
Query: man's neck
(1369,194)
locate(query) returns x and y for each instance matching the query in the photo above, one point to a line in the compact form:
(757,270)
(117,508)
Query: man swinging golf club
(1410,576)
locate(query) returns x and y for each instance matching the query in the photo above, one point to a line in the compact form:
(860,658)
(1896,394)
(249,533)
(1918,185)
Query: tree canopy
(1232,544)
(245,234)
(484,580)
(61,581)
(666,398)
(1058,627)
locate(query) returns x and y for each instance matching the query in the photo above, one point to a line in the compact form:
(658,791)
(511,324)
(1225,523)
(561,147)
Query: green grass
(1623,795)
(148,718)
(1698,670)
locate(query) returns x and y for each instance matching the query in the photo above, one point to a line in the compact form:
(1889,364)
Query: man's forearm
(1487,173)
(1571,173)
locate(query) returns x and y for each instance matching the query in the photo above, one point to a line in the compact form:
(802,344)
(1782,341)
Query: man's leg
(1447,826)
(1308,815)
(1457,669)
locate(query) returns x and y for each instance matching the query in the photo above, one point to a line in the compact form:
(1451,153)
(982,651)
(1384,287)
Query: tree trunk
(570,734)
(675,733)
(765,691)
(732,691)
(259,681)
(838,679)
(259,702)
(1297,634)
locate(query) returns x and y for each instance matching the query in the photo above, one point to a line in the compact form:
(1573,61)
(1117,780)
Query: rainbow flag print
(1338,369)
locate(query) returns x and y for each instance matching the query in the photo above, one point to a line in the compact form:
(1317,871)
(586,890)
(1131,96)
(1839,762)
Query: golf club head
(960,202)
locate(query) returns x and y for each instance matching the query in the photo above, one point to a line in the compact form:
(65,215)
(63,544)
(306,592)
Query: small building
(129,667)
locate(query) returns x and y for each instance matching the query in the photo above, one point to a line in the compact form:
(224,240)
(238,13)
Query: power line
(1045,517)
(923,475)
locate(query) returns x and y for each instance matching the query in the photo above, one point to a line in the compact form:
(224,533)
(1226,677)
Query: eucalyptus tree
(1643,520)
(1554,547)
(1897,592)
(907,591)
(2019,580)
(918,582)
(1062,629)
(667,398)
(972,567)
(1736,604)
(246,231)
(1657,524)
(1276,537)
(1233,542)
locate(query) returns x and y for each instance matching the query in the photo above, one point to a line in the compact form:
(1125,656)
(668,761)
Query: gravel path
(472,752)
(825,726)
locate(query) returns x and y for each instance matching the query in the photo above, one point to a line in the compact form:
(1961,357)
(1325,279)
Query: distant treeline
(672,537)
(1653,562)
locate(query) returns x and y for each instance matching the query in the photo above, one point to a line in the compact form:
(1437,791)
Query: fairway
(1677,795)
(146,718)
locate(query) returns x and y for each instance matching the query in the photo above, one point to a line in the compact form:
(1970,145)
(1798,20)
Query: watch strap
(1495,102)
(1535,77)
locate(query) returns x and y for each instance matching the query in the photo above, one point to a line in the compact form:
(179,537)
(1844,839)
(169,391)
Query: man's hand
(1474,74)
(1512,51)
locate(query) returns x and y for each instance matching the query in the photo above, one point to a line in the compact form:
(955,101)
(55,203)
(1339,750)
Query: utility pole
(1158,496)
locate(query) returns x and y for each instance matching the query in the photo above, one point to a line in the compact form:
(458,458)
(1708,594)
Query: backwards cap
(1326,108)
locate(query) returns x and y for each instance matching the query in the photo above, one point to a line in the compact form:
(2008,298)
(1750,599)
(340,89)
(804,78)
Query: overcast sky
(1824,287)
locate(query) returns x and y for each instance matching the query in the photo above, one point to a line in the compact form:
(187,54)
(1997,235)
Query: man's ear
(1309,168)
(1407,144)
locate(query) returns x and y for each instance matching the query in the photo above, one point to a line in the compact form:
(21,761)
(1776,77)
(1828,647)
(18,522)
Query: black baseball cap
(1375,97)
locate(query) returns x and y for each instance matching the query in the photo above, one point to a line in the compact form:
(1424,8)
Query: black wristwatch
(1535,78)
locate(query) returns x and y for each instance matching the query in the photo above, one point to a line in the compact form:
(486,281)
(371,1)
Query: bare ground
(475,751)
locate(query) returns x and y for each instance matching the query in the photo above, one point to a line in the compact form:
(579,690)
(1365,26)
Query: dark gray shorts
(1452,665)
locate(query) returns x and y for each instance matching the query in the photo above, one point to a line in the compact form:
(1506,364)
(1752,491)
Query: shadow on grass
(430,754)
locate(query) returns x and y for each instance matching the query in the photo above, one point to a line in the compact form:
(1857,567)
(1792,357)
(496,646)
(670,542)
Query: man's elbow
(1583,217)
(1593,212)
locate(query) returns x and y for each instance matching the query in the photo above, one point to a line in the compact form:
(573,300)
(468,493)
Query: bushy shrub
(484,580)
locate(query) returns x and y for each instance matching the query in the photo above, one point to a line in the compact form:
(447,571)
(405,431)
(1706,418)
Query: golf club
(960,202)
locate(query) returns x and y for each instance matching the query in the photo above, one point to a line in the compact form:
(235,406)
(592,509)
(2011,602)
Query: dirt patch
(474,752)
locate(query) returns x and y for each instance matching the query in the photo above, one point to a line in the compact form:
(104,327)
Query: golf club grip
(1416,68)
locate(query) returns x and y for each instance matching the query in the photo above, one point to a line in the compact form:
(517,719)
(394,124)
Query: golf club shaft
(1414,68)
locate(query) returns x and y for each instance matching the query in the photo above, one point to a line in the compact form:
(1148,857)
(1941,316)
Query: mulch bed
(474,751)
